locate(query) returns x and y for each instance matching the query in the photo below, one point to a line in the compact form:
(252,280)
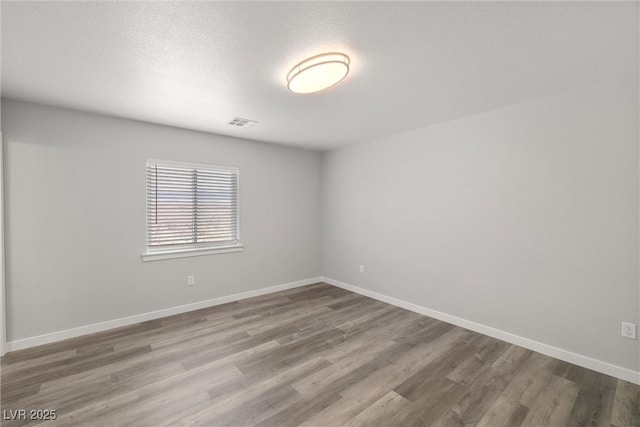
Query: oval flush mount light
(318,72)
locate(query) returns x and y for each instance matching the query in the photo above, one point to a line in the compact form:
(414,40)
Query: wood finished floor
(316,356)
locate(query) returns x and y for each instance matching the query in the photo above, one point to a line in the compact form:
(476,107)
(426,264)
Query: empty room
(320,213)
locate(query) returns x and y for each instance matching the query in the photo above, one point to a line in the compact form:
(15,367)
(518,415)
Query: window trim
(197,249)
(189,252)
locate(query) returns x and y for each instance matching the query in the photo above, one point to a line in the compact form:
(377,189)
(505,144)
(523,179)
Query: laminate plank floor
(317,356)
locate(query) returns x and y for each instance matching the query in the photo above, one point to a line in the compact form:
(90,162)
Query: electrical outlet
(191,280)
(361,268)
(629,330)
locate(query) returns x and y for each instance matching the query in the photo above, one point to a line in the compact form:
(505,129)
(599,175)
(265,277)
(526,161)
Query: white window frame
(155,254)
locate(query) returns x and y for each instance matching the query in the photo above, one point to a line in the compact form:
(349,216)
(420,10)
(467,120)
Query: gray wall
(524,219)
(75,216)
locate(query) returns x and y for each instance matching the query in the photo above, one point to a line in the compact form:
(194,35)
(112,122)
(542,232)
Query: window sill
(183,253)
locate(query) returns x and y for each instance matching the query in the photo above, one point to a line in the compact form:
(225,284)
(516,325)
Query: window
(192,209)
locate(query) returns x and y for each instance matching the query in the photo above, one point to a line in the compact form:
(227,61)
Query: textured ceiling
(199,64)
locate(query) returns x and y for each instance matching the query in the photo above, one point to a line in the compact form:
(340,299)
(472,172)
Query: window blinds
(191,206)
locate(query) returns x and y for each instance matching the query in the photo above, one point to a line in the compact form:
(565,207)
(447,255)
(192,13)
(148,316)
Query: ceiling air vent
(242,123)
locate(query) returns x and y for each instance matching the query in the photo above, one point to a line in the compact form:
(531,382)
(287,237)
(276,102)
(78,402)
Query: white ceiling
(198,64)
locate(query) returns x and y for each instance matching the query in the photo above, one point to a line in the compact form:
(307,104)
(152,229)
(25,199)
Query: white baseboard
(131,320)
(558,353)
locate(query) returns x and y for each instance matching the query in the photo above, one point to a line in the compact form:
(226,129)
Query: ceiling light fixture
(318,72)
